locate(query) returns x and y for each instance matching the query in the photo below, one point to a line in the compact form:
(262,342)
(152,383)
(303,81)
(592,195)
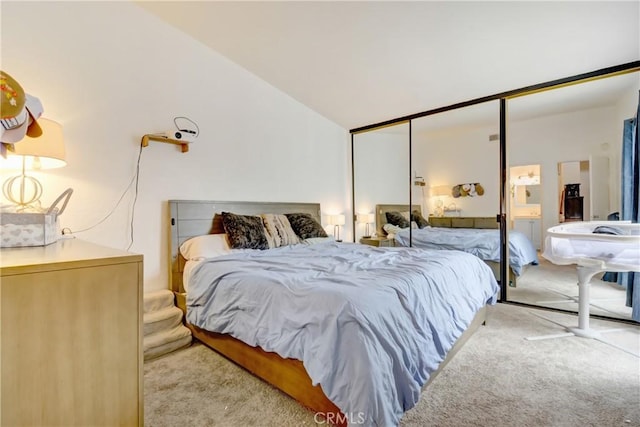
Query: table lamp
(43,152)
(439,192)
(366,219)
(337,221)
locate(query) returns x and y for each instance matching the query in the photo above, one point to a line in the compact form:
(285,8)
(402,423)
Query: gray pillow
(244,231)
(396,218)
(417,217)
(305,225)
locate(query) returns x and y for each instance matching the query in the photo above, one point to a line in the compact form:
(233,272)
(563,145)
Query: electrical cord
(135,195)
(135,179)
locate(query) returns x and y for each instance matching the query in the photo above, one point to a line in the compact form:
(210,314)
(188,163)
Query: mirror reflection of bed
(479,236)
(295,313)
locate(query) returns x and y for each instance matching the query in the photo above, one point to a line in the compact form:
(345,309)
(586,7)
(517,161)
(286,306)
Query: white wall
(109,72)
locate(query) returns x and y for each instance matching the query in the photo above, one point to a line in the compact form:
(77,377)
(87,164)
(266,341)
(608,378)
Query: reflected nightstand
(378,241)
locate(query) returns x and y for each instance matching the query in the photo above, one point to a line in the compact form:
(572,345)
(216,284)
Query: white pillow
(206,246)
(391,229)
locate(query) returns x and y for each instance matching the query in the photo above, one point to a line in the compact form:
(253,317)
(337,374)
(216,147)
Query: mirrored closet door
(381,175)
(565,148)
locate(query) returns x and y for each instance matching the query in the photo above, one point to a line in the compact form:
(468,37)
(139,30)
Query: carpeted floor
(544,284)
(497,379)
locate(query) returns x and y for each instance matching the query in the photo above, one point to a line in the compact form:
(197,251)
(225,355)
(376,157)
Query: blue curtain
(630,205)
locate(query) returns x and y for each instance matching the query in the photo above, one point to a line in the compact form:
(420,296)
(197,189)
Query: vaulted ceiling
(363,62)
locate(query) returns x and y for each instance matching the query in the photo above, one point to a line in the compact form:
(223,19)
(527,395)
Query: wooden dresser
(71,336)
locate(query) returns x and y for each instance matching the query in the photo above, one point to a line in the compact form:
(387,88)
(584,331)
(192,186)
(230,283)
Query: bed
(363,372)
(477,235)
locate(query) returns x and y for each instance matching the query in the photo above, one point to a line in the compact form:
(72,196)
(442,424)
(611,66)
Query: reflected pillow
(245,231)
(417,217)
(396,218)
(391,229)
(305,226)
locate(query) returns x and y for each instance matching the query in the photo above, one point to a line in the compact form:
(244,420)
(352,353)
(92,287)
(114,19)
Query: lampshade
(43,152)
(440,190)
(32,153)
(367,218)
(337,219)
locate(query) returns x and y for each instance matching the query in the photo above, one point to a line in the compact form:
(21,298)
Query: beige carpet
(543,285)
(497,379)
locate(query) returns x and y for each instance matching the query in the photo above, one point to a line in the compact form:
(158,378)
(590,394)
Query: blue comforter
(369,324)
(483,243)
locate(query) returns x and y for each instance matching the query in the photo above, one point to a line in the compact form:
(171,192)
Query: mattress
(483,243)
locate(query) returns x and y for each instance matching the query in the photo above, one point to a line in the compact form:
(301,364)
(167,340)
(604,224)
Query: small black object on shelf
(572,190)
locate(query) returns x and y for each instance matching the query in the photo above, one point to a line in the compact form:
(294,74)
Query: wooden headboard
(464,222)
(189,218)
(434,221)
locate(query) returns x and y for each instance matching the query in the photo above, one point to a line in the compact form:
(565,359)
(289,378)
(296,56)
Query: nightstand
(378,241)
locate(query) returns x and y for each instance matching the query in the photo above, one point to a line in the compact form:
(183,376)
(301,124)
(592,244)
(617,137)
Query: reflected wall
(454,148)
(380,171)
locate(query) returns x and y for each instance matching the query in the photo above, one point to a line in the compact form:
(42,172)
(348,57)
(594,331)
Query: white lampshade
(337,219)
(43,152)
(440,190)
(367,218)
(32,153)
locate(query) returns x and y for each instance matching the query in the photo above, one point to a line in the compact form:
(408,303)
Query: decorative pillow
(244,231)
(279,231)
(305,226)
(206,246)
(396,218)
(419,219)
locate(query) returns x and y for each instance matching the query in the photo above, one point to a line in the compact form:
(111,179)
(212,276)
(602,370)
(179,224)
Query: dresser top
(65,253)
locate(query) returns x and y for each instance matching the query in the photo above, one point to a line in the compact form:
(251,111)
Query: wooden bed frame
(189,218)
(449,222)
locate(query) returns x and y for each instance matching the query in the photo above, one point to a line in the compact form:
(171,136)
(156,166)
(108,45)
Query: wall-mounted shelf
(159,138)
